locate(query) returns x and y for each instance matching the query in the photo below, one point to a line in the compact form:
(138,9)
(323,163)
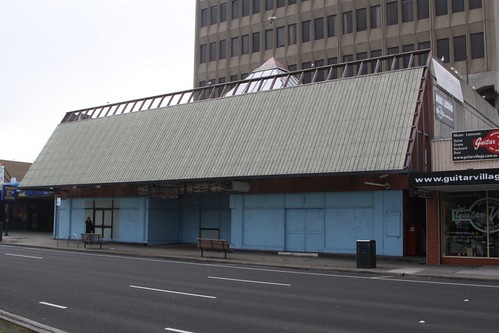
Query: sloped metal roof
(352,125)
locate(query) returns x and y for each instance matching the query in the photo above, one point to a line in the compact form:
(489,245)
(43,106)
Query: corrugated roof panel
(351,125)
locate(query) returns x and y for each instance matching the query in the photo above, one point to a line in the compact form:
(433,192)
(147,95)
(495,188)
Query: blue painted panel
(314,234)
(334,227)
(163,204)
(210,218)
(190,225)
(304,200)
(345,226)
(210,200)
(295,229)
(392,220)
(206,210)
(315,220)
(129,203)
(62,225)
(264,201)
(314,242)
(191,199)
(393,224)
(304,230)
(295,242)
(237,220)
(132,224)
(76,203)
(74,216)
(225,225)
(349,199)
(295,220)
(164,221)
(263,229)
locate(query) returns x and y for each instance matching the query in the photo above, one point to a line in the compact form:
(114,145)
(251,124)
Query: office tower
(233,37)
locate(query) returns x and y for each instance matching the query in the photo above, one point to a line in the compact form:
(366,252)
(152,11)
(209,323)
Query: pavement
(386,267)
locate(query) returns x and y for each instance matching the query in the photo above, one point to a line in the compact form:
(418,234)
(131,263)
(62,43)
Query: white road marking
(172,292)
(22,256)
(54,305)
(250,281)
(176,330)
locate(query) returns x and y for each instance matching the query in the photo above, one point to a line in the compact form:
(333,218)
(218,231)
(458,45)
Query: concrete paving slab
(485,270)
(406,270)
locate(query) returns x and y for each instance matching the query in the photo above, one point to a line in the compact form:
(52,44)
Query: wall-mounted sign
(444,110)
(9,192)
(475,145)
(163,192)
(142,190)
(447,80)
(425,194)
(2,174)
(457,177)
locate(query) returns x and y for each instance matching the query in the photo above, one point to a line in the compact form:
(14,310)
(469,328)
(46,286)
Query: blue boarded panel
(263,229)
(295,229)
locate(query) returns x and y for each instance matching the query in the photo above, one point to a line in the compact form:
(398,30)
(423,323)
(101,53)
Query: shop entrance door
(104,222)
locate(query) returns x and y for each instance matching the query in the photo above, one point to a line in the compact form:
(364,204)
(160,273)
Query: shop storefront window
(471,224)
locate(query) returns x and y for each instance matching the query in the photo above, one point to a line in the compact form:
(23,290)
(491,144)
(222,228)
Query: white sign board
(2,174)
(447,80)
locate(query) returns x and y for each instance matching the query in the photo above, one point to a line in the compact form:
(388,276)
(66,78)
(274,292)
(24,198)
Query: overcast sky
(63,55)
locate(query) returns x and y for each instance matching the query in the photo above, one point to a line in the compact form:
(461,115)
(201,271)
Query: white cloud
(63,55)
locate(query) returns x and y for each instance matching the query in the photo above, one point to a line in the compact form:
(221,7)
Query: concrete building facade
(235,36)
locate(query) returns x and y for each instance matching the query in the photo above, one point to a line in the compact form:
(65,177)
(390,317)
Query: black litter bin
(366,254)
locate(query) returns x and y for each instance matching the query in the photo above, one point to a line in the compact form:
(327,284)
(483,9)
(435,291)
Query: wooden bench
(205,244)
(91,239)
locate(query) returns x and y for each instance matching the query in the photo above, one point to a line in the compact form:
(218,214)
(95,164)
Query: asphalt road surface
(84,292)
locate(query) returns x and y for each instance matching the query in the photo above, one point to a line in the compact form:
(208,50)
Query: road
(88,292)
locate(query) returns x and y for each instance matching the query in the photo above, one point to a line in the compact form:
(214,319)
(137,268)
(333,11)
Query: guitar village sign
(475,145)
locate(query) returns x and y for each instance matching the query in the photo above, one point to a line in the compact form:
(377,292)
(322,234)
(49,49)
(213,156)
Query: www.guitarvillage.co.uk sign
(475,145)
(477,215)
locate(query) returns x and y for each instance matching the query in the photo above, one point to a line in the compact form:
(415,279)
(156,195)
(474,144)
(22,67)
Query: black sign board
(9,192)
(444,110)
(475,145)
(457,177)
